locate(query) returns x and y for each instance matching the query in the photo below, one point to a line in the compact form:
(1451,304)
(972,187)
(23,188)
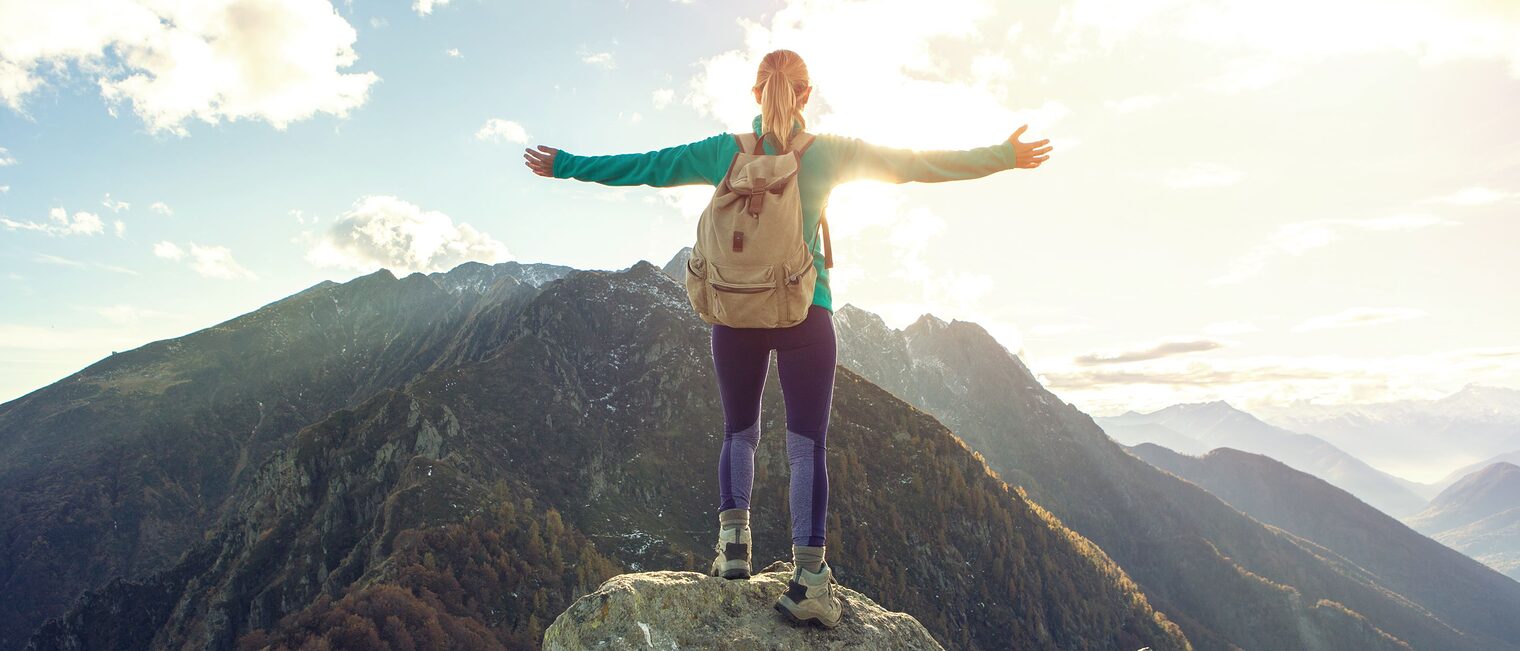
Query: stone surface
(687,610)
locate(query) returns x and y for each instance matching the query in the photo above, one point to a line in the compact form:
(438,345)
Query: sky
(1255,202)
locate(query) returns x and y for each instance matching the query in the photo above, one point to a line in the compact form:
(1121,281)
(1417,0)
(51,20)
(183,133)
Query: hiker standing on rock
(759,274)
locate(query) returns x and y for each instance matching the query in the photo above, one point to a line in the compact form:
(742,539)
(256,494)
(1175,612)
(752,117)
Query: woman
(805,353)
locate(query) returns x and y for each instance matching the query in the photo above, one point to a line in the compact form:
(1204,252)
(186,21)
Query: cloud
(168,251)
(114,206)
(663,97)
(120,227)
(1296,238)
(1275,380)
(384,231)
(279,61)
(1202,175)
(5,155)
(601,60)
(874,86)
(689,200)
(499,130)
(1157,350)
(77,264)
(1359,316)
(425,7)
(1433,32)
(1473,196)
(211,261)
(60,224)
(161,208)
(454,52)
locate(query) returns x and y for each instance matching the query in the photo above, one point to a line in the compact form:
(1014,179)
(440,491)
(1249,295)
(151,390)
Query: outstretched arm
(863,160)
(689,164)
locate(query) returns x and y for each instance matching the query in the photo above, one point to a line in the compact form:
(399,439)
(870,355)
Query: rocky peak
(687,610)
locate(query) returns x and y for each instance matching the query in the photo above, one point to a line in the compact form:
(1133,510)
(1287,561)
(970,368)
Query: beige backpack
(751,267)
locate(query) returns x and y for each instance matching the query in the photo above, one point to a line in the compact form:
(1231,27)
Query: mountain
(1405,561)
(550,438)
(1480,516)
(1457,475)
(1200,427)
(1411,437)
(686,610)
(1228,580)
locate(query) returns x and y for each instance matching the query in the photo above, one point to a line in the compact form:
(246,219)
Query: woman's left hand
(541,162)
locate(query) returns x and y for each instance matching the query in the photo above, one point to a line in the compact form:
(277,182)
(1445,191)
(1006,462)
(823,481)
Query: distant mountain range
(1197,428)
(1407,436)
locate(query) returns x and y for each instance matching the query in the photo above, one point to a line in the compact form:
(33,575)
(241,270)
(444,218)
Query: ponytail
(781,78)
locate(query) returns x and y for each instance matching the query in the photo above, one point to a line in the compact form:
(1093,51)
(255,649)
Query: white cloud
(59,223)
(633,118)
(425,7)
(1359,316)
(454,52)
(113,205)
(1434,32)
(384,231)
(378,22)
(4,189)
(66,262)
(168,251)
(1202,175)
(161,208)
(1298,237)
(663,97)
(5,155)
(499,130)
(1155,350)
(211,261)
(1274,379)
(688,200)
(216,262)
(1473,196)
(279,61)
(601,60)
(120,227)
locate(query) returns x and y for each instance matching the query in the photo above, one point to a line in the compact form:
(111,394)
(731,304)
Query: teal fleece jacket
(831,160)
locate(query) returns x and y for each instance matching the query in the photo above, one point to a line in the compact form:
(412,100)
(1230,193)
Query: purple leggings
(805,357)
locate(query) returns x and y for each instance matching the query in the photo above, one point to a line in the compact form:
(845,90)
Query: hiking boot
(733,553)
(811,598)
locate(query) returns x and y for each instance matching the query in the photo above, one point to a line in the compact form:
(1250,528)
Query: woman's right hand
(1026,154)
(541,162)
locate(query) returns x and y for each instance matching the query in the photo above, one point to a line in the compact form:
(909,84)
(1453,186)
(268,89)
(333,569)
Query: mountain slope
(117,469)
(1217,424)
(591,419)
(1461,589)
(1224,577)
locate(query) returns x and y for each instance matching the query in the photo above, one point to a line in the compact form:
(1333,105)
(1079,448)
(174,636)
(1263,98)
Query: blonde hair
(781,78)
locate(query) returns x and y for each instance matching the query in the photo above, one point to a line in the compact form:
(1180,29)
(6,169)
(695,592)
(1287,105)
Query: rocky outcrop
(686,610)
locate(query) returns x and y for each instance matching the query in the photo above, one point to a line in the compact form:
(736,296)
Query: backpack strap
(828,250)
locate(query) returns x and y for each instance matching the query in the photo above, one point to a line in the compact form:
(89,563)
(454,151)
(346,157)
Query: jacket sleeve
(689,164)
(863,160)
